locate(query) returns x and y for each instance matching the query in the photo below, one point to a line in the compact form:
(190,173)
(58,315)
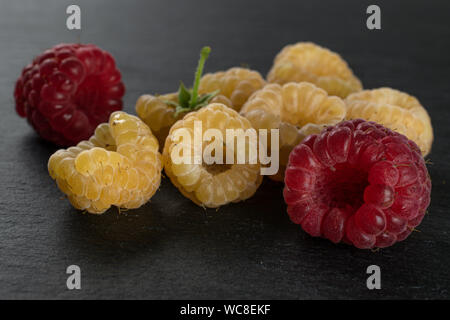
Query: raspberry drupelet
(67,91)
(357,182)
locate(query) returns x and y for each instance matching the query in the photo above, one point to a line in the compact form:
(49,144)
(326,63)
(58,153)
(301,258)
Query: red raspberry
(67,91)
(357,182)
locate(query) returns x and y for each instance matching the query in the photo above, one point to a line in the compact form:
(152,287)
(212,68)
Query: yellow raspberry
(210,185)
(306,61)
(119,165)
(296,110)
(395,110)
(160,115)
(237,84)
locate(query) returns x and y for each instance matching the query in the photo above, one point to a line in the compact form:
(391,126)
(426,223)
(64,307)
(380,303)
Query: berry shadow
(171,224)
(34,149)
(129,230)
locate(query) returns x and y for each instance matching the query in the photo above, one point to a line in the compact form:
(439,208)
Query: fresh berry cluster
(357,182)
(352,181)
(67,91)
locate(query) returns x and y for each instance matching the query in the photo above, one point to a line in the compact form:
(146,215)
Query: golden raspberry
(210,185)
(395,110)
(306,61)
(297,110)
(119,165)
(160,115)
(237,84)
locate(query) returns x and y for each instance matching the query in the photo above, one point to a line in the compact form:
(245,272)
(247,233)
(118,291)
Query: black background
(170,248)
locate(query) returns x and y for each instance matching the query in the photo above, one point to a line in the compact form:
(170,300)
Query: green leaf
(200,105)
(179,110)
(171,103)
(184,96)
(206,97)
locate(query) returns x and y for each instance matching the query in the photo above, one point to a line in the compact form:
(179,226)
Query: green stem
(190,100)
(198,74)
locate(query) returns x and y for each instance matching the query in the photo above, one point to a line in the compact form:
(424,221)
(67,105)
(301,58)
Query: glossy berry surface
(357,182)
(237,84)
(67,90)
(309,62)
(297,110)
(119,165)
(210,185)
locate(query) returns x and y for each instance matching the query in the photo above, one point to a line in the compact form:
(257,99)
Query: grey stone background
(170,248)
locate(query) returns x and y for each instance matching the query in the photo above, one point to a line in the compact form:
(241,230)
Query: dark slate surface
(171,248)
